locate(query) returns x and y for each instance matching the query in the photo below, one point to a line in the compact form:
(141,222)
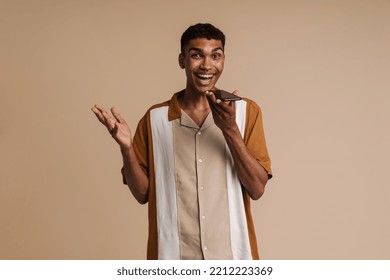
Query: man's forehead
(203,44)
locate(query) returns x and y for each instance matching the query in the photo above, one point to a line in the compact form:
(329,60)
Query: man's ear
(181,61)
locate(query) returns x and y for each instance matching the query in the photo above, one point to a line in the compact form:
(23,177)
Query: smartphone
(225,95)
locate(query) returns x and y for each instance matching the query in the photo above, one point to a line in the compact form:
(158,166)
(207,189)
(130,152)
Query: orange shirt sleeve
(254,137)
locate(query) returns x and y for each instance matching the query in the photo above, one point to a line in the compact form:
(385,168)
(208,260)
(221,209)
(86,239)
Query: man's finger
(116,115)
(223,105)
(212,98)
(114,130)
(98,115)
(218,104)
(97,106)
(212,101)
(108,120)
(106,116)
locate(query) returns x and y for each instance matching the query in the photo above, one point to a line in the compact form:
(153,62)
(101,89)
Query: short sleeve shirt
(197,207)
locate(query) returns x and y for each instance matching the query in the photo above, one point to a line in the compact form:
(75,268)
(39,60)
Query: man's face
(203,62)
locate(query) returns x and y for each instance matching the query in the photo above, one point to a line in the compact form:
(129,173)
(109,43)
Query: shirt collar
(186,120)
(174,111)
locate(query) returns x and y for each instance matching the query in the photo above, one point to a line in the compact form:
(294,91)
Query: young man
(196,160)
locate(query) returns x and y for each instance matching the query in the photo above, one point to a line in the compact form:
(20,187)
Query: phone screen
(225,95)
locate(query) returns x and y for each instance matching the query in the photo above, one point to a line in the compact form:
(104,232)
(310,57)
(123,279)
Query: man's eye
(195,55)
(217,56)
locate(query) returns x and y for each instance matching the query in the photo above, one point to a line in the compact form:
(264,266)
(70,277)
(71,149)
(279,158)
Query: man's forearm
(136,179)
(251,174)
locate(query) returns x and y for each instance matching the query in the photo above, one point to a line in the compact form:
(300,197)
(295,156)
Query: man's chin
(205,88)
(198,88)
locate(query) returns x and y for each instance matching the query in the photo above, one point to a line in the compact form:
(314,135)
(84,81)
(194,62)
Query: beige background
(319,69)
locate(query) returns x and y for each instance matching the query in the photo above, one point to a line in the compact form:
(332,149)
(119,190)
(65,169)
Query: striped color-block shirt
(197,206)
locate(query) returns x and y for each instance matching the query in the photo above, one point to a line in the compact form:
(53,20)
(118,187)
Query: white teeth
(204,76)
(205,79)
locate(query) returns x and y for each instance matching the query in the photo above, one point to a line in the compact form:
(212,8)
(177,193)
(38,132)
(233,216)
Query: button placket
(200,160)
(202,216)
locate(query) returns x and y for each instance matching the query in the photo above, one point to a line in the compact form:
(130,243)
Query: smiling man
(196,160)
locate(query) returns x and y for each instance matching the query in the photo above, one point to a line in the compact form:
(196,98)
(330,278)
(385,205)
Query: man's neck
(195,105)
(194,101)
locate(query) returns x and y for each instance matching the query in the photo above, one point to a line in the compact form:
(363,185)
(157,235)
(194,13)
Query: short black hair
(201,30)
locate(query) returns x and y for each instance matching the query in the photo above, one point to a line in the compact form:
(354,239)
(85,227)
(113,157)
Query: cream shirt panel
(202,197)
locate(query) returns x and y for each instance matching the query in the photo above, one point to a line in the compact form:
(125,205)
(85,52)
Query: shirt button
(201,188)
(204,247)
(203,217)
(200,160)
(199,133)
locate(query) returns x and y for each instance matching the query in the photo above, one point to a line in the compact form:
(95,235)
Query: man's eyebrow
(201,51)
(195,49)
(217,49)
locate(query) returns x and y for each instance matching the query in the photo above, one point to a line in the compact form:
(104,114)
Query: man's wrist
(232,131)
(126,150)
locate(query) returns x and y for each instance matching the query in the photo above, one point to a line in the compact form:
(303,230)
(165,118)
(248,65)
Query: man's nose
(206,63)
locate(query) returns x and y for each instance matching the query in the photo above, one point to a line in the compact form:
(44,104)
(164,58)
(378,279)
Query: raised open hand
(115,124)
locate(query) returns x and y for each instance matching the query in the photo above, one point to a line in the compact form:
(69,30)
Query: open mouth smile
(204,78)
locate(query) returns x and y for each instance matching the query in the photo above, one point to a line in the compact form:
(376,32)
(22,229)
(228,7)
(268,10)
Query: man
(196,160)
